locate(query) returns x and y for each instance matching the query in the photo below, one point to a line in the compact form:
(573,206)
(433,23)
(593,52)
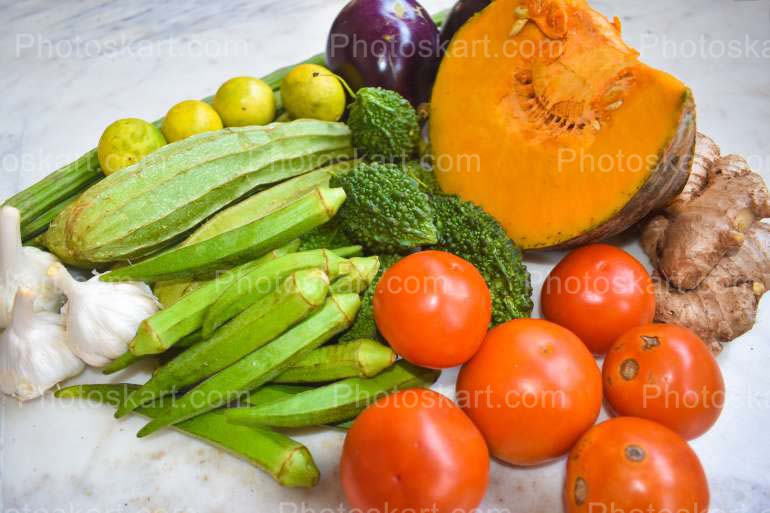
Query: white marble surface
(69,68)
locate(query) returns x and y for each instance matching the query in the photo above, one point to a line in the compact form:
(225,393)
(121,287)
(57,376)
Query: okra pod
(287,461)
(348,251)
(362,272)
(236,246)
(301,294)
(170,325)
(336,402)
(128,358)
(169,292)
(360,358)
(262,365)
(262,280)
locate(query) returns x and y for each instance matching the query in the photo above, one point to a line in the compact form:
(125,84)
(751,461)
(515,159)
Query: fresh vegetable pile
(298,256)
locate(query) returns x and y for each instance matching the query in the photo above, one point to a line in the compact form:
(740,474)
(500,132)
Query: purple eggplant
(392,44)
(458,15)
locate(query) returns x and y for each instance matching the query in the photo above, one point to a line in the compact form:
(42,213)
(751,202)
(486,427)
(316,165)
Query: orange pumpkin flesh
(542,115)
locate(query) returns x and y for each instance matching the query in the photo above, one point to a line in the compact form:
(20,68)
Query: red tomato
(433,308)
(628,465)
(414,450)
(665,373)
(598,292)
(532,389)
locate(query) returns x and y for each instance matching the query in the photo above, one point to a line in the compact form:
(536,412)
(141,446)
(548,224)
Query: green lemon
(188,118)
(312,91)
(244,101)
(127,141)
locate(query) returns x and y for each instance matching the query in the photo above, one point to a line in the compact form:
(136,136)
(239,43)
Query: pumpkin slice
(542,115)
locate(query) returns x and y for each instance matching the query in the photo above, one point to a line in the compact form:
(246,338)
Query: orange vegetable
(628,465)
(542,115)
(665,373)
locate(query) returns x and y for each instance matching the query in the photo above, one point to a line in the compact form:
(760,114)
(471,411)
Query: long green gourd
(149,205)
(286,461)
(261,366)
(239,245)
(299,296)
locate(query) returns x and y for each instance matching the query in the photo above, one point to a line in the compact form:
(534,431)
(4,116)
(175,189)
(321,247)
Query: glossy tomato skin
(629,464)
(414,450)
(598,292)
(433,308)
(665,373)
(532,389)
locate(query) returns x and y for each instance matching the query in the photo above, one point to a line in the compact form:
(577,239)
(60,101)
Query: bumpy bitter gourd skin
(467,231)
(385,211)
(384,124)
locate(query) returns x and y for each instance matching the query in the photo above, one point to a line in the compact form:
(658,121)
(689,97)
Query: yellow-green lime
(244,101)
(188,118)
(127,141)
(312,91)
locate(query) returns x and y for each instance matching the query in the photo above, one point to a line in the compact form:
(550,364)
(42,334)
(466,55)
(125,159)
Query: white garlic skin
(23,267)
(33,354)
(102,318)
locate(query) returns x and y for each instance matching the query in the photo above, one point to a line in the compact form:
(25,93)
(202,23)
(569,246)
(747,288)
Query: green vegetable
(364,326)
(239,245)
(34,230)
(287,461)
(165,328)
(262,365)
(335,402)
(262,280)
(386,211)
(128,358)
(127,141)
(384,124)
(469,232)
(424,176)
(170,291)
(348,251)
(141,209)
(358,277)
(328,235)
(359,358)
(301,294)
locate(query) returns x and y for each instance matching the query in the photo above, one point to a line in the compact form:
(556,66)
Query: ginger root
(710,248)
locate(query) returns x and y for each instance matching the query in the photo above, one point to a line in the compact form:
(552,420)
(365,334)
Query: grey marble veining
(69,68)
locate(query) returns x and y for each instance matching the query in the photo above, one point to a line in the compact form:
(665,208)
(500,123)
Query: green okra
(336,402)
(262,280)
(362,272)
(170,325)
(128,358)
(348,251)
(262,365)
(241,244)
(170,291)
(300,295)
(287,461)
(360,358)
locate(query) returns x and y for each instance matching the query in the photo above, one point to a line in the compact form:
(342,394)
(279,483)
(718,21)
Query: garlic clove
(23,267)
(33,355)
(102,317)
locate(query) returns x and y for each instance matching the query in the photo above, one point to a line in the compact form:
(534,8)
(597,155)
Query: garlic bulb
(23,267)
(102,317)
(33,355)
